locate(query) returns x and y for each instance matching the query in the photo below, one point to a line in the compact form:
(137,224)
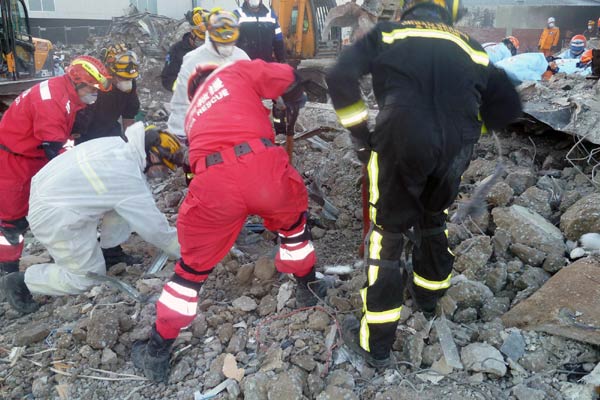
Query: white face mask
(254,3)
(89,98)
(551,25)
(224,50)
(124,86)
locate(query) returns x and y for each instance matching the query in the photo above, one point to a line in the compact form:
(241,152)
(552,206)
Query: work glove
(292,110)
(279,119)
(360,139)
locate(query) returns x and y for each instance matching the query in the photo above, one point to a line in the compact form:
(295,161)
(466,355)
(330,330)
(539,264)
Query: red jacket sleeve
(51,120)
(270,80)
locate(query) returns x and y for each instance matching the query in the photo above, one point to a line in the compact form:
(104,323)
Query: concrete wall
(228,5)
(174,8)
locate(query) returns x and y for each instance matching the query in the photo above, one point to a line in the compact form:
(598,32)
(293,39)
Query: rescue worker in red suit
(33,131)
(238,171)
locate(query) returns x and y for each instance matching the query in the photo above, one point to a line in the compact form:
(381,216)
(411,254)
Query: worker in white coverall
(220,48)
(102,179)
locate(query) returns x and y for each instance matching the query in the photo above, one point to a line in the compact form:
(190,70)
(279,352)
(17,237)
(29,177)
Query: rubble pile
(520,321)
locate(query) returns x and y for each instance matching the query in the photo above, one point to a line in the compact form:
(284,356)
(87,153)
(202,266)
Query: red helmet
(89,71)
(198,77)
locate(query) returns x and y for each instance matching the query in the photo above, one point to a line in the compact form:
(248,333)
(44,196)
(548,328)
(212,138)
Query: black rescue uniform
(260,33)
(101,119)
(174,60)
(431,82)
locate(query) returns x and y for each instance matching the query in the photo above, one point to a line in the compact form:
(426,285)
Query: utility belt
(6,149)
(233,153)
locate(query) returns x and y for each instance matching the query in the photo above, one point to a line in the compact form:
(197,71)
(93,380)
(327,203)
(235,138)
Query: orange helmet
(514,41)
(89,71)
(586,57)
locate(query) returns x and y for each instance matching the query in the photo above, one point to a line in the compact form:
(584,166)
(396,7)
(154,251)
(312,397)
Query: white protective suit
(101,179)
(179,102)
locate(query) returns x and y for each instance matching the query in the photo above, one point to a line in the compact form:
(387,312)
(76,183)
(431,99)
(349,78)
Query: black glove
(279,120)
(292,110)
(363,150)
(51,149)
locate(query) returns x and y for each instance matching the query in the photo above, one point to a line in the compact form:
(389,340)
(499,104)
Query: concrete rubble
(520,320)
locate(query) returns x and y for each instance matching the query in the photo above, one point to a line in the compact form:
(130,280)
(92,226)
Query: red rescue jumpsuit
(44,113)
(227,117)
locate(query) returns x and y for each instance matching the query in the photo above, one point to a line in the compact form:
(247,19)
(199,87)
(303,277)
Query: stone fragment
(536,199)
(284,387)
(255,386)
(273,359)
(318,320)
(244,273)
(103,330)
(529,228)
(264,268)
(481,357)
(494,308)
(468,293)
(496,278)
(341,378)
(238,342)
(224,332)
(33,333)
(520,180)
(245,303)
(531,278)
(500,242)
(332,392)
(528,255)
(500,194)
(305,362)
(473,254)
(582,217)
(514,345)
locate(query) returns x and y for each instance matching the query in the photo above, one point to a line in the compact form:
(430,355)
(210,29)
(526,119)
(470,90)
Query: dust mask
(254,3)
(125,86)
(224,50)
(89,98)
(551,25)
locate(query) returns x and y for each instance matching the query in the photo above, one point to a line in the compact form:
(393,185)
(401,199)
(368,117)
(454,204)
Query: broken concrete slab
(567,305)
(529,228)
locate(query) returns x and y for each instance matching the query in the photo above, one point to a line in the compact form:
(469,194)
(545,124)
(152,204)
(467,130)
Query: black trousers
(414,175)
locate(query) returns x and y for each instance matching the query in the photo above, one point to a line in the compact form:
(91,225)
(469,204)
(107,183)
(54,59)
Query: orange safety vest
(549,38)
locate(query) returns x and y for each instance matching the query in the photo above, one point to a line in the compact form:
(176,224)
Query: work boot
(152,356)
(350,332)
(304,296)
(115,255)
(17,294)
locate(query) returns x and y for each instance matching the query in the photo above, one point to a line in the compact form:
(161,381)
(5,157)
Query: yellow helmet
(197,19)
(121,61)
(223,27)
(165,146)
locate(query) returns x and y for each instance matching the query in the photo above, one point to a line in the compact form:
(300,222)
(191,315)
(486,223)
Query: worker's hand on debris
(279,120)
(292,110)
(363,150)
(181,157)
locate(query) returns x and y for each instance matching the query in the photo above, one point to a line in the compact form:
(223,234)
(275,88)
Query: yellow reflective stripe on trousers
(375,239)
(383,317)
(90,174)
(373,171)
(478,57)
(431,285)
(353,114)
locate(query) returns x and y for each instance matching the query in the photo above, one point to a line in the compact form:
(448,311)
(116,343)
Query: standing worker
(102,118)
(431,81)
(190,40)
(223,32)
(549,38)
(238,171)
(590,30)
(34,129)
(103,178)
(260,33)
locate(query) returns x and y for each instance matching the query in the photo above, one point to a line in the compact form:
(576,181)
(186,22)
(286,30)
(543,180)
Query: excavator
(25,60)
(312,31)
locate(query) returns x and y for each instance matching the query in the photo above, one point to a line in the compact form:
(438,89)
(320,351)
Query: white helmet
(551,20)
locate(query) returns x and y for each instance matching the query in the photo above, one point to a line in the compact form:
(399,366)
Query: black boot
(350,330)
(17,294)
(7,267)
(152,356)
(304,296)
(115,255)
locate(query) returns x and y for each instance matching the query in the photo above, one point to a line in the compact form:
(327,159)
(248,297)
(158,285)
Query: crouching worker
(103,179)
(238,172)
